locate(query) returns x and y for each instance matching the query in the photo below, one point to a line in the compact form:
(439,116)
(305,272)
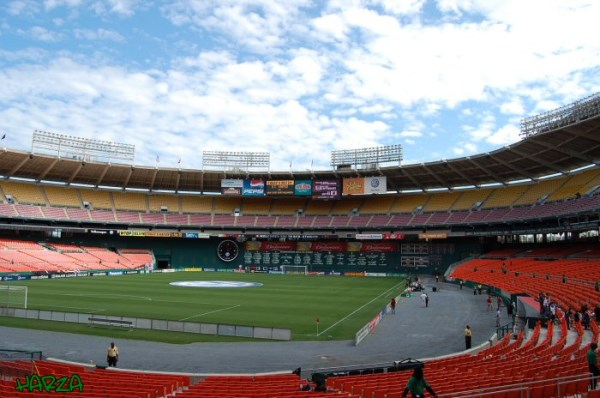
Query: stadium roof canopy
(555,151)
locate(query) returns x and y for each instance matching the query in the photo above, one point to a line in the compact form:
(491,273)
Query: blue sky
(295,78)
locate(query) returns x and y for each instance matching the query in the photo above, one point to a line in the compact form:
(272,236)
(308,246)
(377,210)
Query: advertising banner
(270,246)
(254,187)
(326,189)
(375,185)
(280,187)
(302,187)
(353,186)
(379,247)
(229,183)
(231,191)
(325,246)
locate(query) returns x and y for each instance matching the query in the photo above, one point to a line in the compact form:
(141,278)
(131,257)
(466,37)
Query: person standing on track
(468,335)
(112,355)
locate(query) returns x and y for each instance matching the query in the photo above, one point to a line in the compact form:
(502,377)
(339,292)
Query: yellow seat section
(344,206)
(227,205)
(538,191)
(98,199)
(377,204)
(317,207)
(24,192)
(441,201)
(469,198)
(504,197)
(409,202)
(576,183)
(155,202)
(62,196)
(197,204)
(130,201)
(288,206)
(256,206)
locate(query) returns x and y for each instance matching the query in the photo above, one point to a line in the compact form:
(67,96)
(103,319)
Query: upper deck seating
(159,202)
(197,204)
(256,206)
(130,201)
(441,202)
(24,193)
(227,205)
(318,208)
(378,204)
(97,199)
(408,203)
(470,198)
(504,197)
(62,196)
(287,206)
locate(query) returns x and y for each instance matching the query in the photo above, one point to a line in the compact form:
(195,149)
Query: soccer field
(342,304)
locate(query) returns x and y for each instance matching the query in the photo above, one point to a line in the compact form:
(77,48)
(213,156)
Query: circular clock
(228,250)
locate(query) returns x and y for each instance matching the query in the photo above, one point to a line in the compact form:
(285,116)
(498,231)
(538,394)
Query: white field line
(105,295)
(209,312)
(77,308)
(358,309)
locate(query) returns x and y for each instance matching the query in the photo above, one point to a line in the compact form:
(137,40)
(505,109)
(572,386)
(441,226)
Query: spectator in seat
(585,320)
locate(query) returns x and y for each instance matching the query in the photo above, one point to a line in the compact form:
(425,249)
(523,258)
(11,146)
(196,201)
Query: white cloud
(513,107)
(42,34)
(260,25)
(375,109)
(465,148)
(410,134)
(22,7)
(99,34)
(51,4)
(298,78)
(505,135)
(401,7)
(123,7)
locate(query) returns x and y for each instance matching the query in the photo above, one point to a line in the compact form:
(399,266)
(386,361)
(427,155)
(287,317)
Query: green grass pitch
(342,304)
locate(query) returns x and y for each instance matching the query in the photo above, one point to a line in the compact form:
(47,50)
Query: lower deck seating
(529,366)
(106,383)
(571,282)
(29,256)
(274,386)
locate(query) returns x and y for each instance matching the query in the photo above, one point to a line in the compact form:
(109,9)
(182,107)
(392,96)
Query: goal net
(295,269)
(13,296)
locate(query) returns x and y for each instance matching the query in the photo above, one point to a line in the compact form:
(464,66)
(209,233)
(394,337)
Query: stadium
(92,245)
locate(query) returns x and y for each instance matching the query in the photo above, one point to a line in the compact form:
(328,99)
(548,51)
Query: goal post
(13,296)
(295,269)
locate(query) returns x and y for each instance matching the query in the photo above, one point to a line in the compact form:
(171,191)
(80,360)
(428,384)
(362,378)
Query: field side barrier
(373,323)
(254,332)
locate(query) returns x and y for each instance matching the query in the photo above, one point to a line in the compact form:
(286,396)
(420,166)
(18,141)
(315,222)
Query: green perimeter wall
(186,253)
